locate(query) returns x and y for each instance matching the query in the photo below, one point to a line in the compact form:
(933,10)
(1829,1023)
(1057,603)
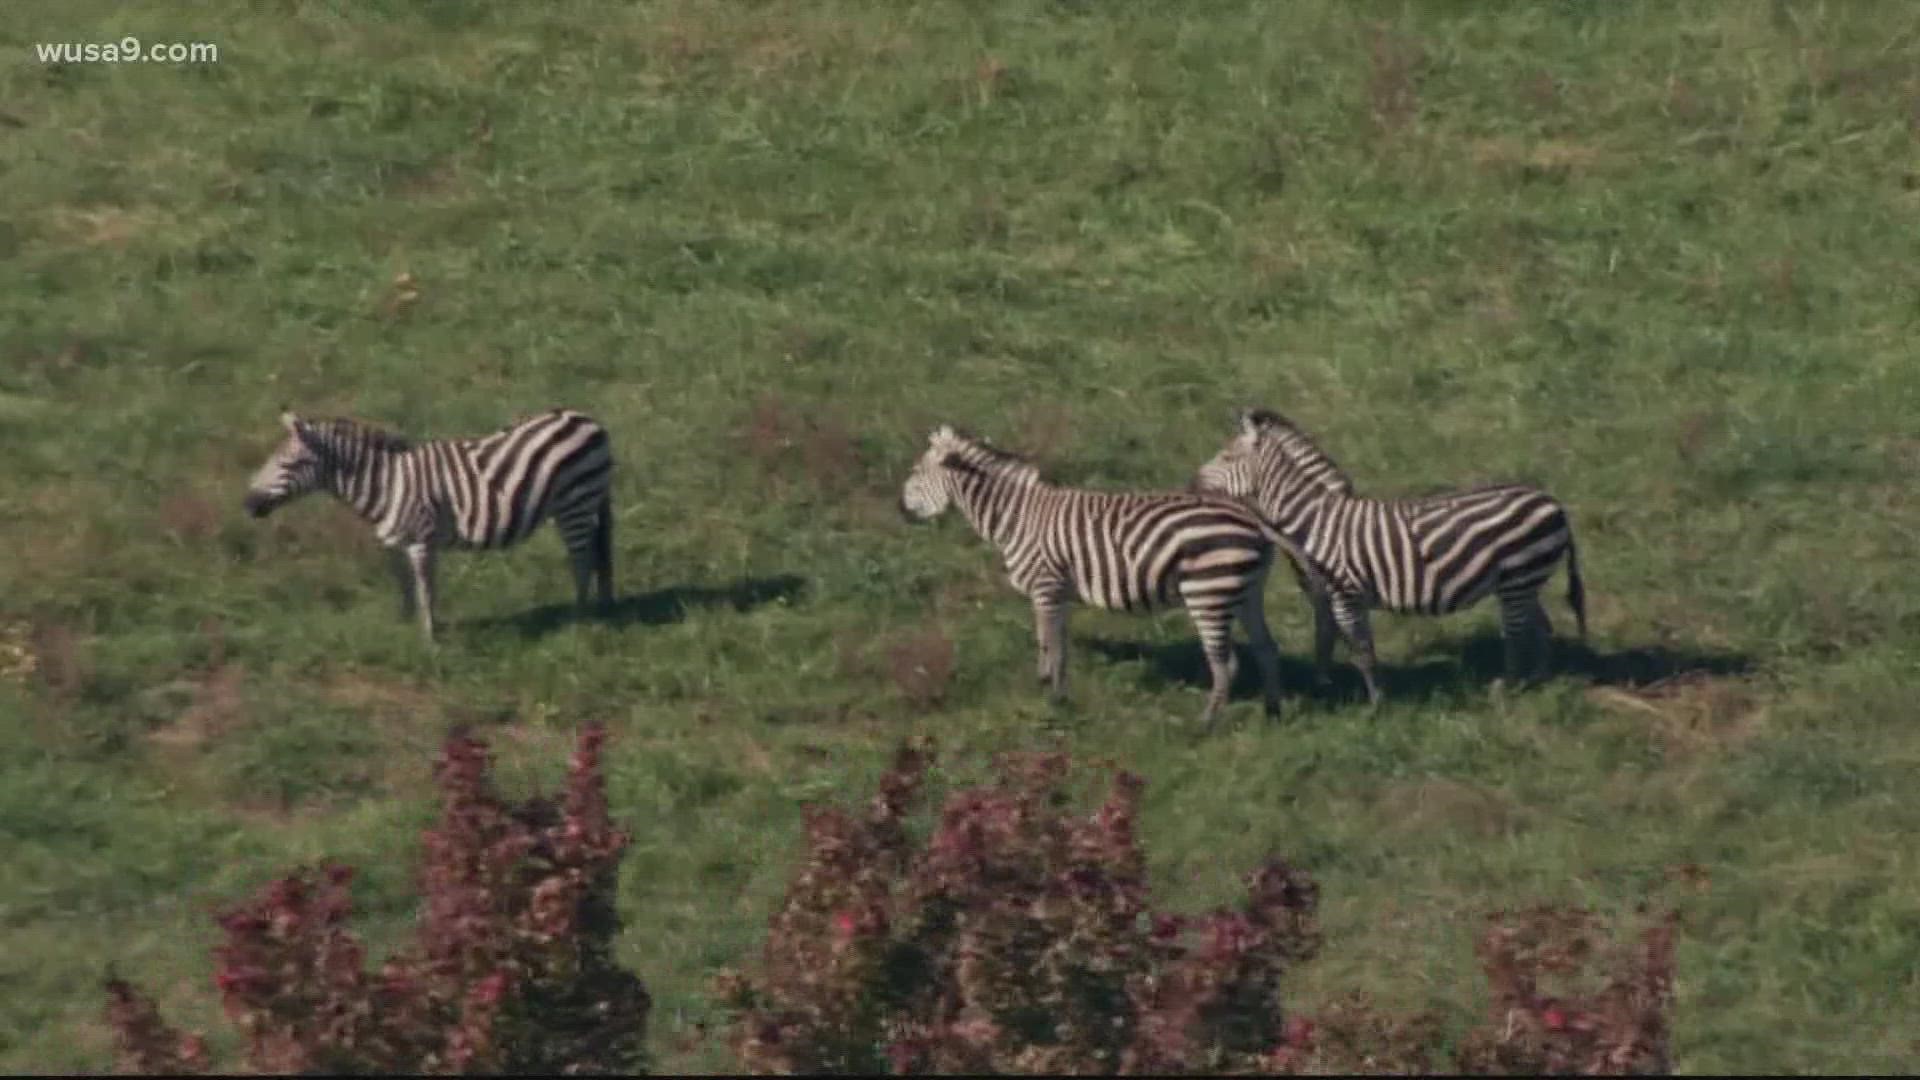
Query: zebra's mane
(975,454)
(1289,442)
(339,433)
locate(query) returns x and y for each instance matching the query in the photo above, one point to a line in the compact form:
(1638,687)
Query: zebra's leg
(1522,626)
(1265,650)
(1043,641)
(1542,637)
(1050,632)
(1322,624)
(1215,626)
(1350,614)
(1323,632)
(420,559)
(578,530)
(1216,640)
(603,550)
(1537,627)
(403,573)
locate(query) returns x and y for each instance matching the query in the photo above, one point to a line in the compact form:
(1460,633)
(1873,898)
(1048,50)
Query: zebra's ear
(941,434)
(289,421)
(958,462)
(1246,420)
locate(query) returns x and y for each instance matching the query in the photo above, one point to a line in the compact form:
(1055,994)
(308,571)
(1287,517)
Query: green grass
(1657,257)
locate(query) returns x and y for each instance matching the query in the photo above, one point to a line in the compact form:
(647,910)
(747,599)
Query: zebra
(486,492)
(1125,551)
(1426,555)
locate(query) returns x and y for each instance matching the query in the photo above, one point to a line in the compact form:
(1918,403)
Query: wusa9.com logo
(127,50)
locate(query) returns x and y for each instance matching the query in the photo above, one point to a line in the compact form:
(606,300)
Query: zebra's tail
(1310,574)
(1576,592)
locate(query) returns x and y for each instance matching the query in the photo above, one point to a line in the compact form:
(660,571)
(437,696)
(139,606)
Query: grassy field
(1660,258)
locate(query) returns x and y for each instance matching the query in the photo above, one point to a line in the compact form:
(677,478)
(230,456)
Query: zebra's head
(954,458)
(294,469)
(1272,460)
(1233,471)
(929,488)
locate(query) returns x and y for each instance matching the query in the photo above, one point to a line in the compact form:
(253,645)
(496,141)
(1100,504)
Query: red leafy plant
(1018,938)
(1566,1000)
(511,968)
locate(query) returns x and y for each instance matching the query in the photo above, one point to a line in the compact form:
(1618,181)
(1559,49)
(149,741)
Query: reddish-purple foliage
(148,1047)
(511,968)
(1550,1014)
(1018,938)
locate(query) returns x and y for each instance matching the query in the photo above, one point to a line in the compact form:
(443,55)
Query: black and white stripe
(1427,555)
(1125,551)
(486,492)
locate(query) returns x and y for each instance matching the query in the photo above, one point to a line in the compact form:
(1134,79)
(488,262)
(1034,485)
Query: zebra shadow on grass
(655,608)
(1446,665)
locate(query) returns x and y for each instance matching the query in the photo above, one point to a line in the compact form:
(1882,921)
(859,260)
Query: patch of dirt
(189,516)
(409,721)
(1546,159)
(1437,804)
(813,446)
(217,706)
(1394,65)
(973,591)
(1690,713)
(401,294)
(536,738)
(61,535)
(1903,453)
(1043,429)
(919,662)
(60,659)
(386,699)
(1696,433)
(320,524)
(105,226)
(216,699)
(18,660)
(763,46)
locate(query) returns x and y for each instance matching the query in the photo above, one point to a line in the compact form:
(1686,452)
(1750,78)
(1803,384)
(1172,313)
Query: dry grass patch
(60,536)
(1555,159)
(764,45)
(1437,804)
(320,524)
(1690,713)
(60,658)
(189,516)
(105,226)
(1043,429)
(811,446)
(216,698)
(217,706)
(919,662)
(1394,64)
(18,660)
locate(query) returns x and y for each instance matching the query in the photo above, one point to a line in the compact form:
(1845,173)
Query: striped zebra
(1125,551)
(1426,555)
(486,492)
